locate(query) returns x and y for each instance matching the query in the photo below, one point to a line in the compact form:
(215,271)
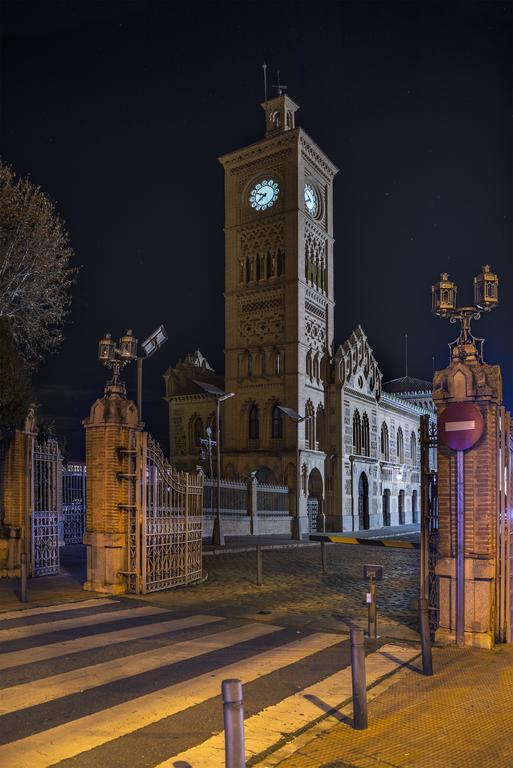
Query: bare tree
(35,275)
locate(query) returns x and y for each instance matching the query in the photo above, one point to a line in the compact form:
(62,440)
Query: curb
(390,543)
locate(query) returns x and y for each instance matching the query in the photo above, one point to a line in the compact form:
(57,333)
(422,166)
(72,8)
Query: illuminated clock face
(264,194)
(311,199)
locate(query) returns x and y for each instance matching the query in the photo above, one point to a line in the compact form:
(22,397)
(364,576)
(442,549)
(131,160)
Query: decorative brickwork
(480,384)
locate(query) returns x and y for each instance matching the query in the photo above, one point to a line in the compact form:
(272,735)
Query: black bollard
(233,715)
(23,574)
(372,610)
(323,556)
(358,679)
(260,578)
(425,637)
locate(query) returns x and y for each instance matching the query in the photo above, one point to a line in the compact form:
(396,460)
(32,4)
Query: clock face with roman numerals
(264,194)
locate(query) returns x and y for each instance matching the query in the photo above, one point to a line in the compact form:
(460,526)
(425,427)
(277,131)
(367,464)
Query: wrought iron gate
(165,522)
(73,501)
(312,509)
(46,504)
(504,574)
(429,520)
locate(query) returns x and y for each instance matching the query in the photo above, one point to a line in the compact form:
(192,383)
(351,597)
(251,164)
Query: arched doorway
(363,502)
(401,507)
(314,502)
(414,512)
(386,507)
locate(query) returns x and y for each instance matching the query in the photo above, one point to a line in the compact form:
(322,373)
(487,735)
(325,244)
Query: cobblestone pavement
(459,717)
(294,584)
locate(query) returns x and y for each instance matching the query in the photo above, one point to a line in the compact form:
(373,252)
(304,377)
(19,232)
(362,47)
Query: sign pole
(460,552)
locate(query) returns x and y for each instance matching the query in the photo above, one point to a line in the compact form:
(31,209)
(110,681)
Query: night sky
(119,110)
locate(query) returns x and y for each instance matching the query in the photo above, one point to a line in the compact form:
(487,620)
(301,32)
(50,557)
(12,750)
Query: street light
(150,346)
(219,396)
(486,298)
(126,351)
(297,418)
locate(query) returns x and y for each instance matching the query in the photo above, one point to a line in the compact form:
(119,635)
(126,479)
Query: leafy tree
(15,393)
(35,276)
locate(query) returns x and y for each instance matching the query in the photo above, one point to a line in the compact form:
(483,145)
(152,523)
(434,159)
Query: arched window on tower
(277,362)
(316,367)
(309,424)
(276,423)
(400,446)
(365,436)
(309,363)
(321,428)
(254,422)
(413,448)
(250,364)
(385,443)
(357,433)
(197,431)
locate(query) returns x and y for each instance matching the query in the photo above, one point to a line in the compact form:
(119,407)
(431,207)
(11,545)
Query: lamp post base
(217,532)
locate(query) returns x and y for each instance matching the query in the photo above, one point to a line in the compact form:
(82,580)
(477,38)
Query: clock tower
(279,309)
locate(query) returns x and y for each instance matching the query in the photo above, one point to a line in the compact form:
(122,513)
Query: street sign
(460,426)
(373,572)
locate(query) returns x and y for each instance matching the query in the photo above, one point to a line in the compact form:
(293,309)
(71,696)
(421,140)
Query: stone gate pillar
(467,379)
(110,436)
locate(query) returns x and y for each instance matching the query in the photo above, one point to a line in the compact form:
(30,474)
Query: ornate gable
(356,366)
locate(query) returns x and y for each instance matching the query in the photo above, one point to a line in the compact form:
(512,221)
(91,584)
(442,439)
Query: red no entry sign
(460,426)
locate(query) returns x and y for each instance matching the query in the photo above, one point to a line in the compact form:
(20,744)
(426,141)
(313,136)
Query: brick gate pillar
(476,382)
(110,435)
(16,496)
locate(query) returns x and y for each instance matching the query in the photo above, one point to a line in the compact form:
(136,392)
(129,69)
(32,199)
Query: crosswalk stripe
(102,640)
(50,688)
(22,613)
(77,736)
(29,630)
(265,729)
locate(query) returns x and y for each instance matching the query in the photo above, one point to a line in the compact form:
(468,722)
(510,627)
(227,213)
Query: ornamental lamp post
(297,419)
(443,305)
(219,396)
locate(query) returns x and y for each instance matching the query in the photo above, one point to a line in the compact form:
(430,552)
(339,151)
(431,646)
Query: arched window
(309,363)
(385,443)
(321,427)
(254,422)
(365,436)
(357,433)
(276,423)
(316,367)
(400,507)
(278,363)
(309,424)
(250,364)
(262,363)
(197,431)
(400,446)
(413,448)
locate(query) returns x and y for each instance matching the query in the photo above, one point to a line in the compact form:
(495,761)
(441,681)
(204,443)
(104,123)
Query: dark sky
(119,110)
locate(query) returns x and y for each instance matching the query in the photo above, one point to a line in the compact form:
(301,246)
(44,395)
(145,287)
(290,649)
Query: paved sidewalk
(462,716)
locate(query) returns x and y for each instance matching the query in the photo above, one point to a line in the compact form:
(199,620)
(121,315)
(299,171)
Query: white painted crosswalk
(59,701)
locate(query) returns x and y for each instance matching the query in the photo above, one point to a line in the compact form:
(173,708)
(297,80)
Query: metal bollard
(260,578)
(23,574)
(372,610)
(323,556)
(425,637)
(233,715)
(358,680)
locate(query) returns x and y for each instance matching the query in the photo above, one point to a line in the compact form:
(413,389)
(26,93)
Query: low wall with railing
(247,508)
